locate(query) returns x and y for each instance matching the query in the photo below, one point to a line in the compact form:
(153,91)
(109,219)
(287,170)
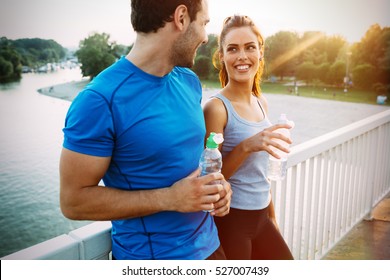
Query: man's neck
(151,53)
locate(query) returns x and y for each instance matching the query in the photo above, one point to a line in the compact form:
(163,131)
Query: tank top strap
(261,107)
(229,107)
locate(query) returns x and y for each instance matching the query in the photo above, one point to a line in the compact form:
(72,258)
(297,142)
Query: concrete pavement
(368,240)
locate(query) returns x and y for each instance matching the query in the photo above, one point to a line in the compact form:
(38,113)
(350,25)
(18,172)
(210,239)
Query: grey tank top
(251,189)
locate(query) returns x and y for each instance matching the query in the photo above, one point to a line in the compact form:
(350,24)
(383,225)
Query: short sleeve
(89,125)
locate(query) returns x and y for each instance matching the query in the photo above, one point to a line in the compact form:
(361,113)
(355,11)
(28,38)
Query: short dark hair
(150,15)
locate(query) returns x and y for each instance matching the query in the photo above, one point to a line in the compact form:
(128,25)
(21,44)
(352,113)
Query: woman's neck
(241,92)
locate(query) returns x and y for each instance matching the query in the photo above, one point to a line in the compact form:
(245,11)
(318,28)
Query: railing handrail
(322,143)
(90,242)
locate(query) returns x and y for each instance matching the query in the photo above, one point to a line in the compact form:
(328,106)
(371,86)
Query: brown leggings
(250,234)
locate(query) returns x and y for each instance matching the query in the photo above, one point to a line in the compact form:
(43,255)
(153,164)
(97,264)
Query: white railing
(90,242)
(333,182)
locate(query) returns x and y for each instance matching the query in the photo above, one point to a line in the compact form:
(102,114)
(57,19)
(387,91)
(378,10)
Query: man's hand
(222,206)
(194,193)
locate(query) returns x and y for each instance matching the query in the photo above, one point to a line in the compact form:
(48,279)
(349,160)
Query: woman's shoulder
(215,114)
(214,104)
(264,103)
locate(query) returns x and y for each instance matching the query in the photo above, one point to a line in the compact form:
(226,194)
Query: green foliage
(96,53)
(6,69)
(281,54)
(310,57)
(372,53)
(364,76)
(28,52)
(336,73)
(36,52)
(306,71)
(323,71)
(10,62)
(203,66)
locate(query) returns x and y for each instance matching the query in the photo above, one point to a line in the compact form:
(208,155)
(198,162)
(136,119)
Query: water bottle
(211,158)
(277,168)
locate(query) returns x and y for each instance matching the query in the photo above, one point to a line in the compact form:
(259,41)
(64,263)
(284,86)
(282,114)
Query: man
(139,126)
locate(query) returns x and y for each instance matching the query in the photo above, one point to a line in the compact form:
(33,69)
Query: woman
(239,111)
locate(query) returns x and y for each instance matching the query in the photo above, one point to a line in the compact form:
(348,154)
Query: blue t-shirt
(153,128)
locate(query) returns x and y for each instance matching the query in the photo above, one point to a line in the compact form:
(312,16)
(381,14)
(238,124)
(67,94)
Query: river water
(30,145)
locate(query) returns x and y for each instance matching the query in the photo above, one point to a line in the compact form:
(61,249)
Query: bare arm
(81,198)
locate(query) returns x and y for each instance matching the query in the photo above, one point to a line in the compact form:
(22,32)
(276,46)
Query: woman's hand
(265,141)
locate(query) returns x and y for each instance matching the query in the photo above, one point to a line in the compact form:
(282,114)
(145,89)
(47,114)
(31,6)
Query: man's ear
(180,17)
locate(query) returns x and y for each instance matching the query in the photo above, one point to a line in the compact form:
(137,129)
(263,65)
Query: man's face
(184,49)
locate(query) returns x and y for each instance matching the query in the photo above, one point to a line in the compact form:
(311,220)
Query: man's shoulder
(110,79)
(185,74)
(185,71)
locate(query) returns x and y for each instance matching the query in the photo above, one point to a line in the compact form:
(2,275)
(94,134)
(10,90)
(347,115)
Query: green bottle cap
(214,140)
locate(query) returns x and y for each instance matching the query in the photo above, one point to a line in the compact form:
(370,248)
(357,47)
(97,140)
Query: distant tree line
(31,53)
(312,57)
(318,59)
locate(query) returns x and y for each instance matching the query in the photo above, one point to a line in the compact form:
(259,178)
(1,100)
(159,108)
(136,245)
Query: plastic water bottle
(211,158)
(277,168)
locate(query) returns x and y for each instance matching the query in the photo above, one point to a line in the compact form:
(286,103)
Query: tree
(323,72)
(10,66)
(95,54)
(202,66)
(281,54)
(364,76)
(203,62)
(6,69)
(36,52)
(337,73)
(306,71)
(373,50)
(334,45)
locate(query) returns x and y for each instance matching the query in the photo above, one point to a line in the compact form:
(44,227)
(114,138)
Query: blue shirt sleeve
(89,126)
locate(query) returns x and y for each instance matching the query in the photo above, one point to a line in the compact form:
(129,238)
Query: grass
(321,92)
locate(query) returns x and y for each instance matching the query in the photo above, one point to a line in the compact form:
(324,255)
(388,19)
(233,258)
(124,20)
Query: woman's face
(241,54)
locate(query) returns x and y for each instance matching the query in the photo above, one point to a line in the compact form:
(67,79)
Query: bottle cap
(283,119)
(214,140)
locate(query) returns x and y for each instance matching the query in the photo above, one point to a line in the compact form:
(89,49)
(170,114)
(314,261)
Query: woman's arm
(216,119)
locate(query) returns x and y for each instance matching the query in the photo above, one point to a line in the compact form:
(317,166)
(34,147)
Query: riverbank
(313,117)
(65,91)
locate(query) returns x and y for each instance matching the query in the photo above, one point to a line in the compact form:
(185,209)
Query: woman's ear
(180,17)
(221,58)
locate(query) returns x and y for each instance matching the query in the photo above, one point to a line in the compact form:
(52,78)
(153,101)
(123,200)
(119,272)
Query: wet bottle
(277,168)
(211,158)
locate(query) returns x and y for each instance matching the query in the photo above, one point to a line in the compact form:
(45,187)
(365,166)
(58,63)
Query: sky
(70,21)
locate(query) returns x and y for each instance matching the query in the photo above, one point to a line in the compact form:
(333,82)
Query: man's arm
(81,197)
